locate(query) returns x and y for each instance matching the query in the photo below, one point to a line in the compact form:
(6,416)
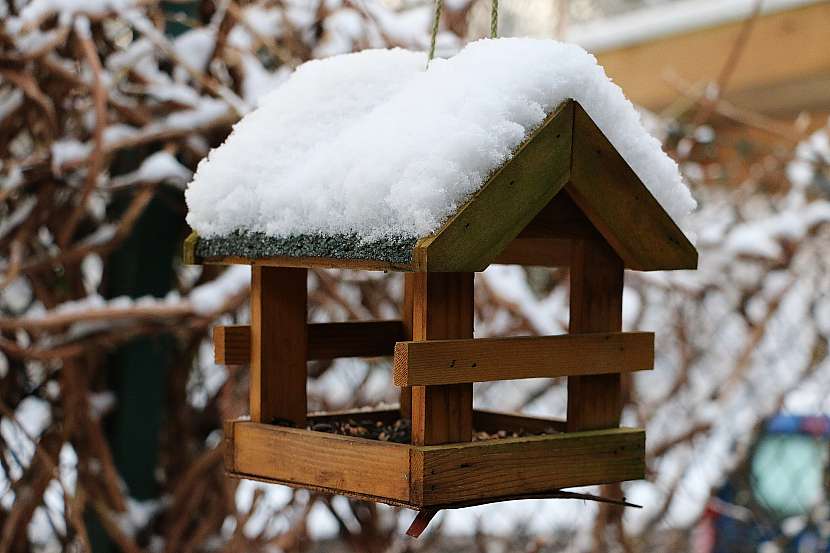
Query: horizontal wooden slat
(481,360)
(339,463)
(353,339)
(232,344)
(443,475)
(492,421)
(512,467)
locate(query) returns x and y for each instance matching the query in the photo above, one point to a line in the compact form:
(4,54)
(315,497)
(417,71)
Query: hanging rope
(494,19)
(436,21)
(439,6)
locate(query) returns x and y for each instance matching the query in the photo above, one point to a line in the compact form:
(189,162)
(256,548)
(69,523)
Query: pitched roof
(567,158)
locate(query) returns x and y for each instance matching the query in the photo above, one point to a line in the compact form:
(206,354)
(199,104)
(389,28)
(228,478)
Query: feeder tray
(565,199)
(434,476)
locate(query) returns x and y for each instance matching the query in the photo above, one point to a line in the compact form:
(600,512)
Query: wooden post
(443,308)
(407,307)
(279,339)
(594,402)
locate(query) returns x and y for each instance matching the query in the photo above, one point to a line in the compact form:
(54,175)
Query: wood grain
(619,205)
(407,313)
(325,340)
(458,473)
(278,344)
(489,359)
(443,307)
(307,458)
(232,344)
(596,280)
(443,475)
(481,229)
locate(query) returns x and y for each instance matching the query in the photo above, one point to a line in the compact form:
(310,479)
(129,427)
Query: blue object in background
(772,503)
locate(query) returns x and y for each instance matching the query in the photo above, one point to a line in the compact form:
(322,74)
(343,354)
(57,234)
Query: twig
(96,157)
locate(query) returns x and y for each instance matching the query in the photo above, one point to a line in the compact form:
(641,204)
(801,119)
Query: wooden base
(440,476)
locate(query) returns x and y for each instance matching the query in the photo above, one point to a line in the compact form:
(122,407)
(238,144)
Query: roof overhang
(567,154)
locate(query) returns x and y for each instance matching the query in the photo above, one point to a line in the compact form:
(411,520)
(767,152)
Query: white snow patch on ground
(373,144)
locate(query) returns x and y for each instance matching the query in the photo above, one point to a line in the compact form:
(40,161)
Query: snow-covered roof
(670,18)
(371,148)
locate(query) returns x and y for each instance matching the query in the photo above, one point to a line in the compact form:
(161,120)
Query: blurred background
(111,405)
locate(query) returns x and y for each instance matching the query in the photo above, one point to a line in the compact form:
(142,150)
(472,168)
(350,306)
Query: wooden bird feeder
(566,199)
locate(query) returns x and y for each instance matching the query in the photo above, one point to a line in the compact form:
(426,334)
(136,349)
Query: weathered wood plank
(474,236)
(443,308)
(318,459)
(619,205)
(279,301)
(458,473)
(596,280)
(488,359)
(232,344)
(444,475)
(325,340)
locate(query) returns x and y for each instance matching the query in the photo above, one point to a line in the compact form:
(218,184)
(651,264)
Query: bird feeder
(566,198)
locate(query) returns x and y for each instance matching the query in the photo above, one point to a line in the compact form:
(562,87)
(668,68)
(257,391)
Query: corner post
(407,307)
(443,308)
(594,402)
(279,340)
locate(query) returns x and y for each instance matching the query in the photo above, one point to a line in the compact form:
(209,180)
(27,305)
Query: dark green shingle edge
(257,245)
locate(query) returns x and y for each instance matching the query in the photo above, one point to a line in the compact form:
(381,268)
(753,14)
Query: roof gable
(620,206)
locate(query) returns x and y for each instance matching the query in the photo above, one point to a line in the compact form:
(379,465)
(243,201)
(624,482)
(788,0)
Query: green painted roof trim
(258,245)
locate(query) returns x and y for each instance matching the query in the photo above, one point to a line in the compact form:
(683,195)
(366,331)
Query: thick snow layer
(372,144)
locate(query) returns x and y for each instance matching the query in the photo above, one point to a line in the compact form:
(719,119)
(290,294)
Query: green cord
(439,6)
(494,19)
